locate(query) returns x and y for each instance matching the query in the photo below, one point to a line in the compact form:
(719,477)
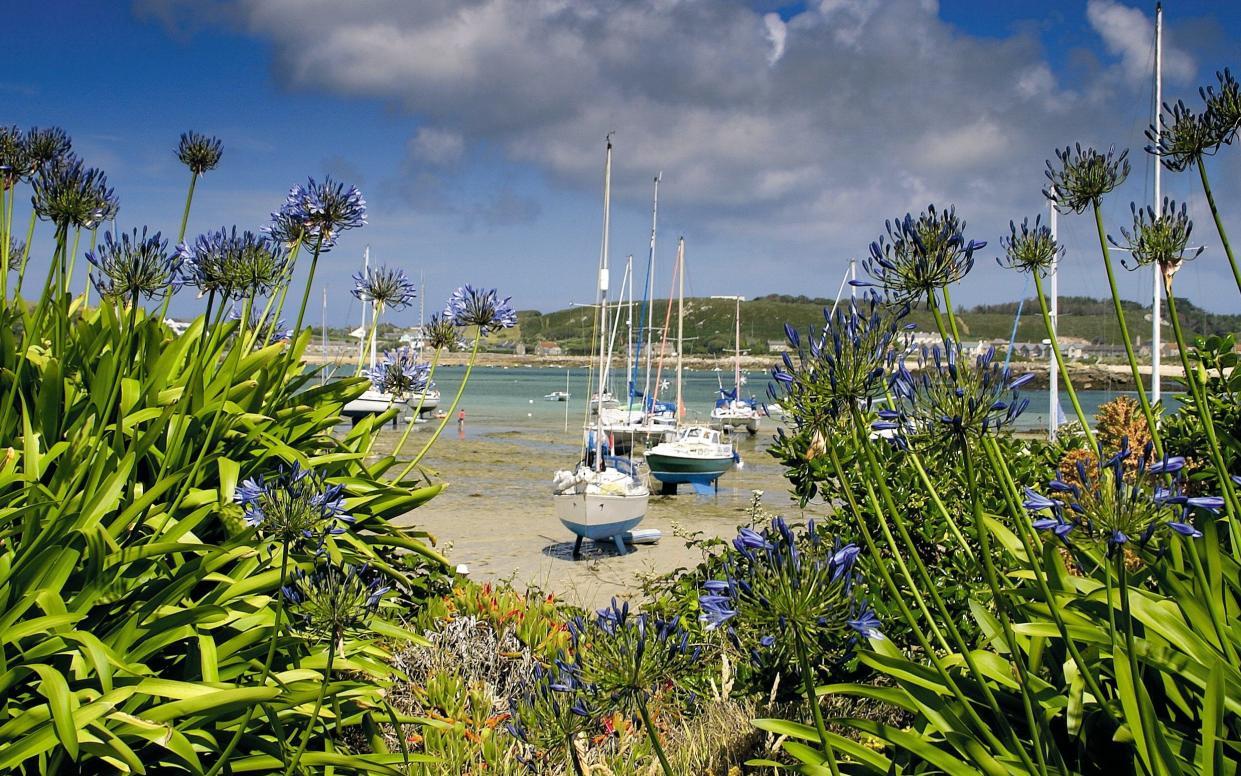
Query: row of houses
(1073,348)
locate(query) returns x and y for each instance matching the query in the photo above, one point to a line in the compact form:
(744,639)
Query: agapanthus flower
(292,506)
(136,265)
(387,287)
(71,195)
(1158,239)
(841,366)
(318,211)
(1104,508)
(625,656)
(233,265)
(333,600)
(14,159)
(780,589)
(50,144)
(1032,249)
(400,374)
(1083,177)
(469,306)
(440,333)
(950,400)
(918,256)
(1223,111)
(1184,137)
(199,152)
(553,711)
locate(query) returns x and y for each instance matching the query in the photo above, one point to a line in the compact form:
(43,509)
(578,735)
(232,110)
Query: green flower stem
(1219,224)
(418,411)
(185,216)
(1213,604)
(878,476)
(310,279)
(651,734)
(898,596)
(478,338)
(1124,334)
(1208,425)
(939,320)
(952,317)
(812,698)
(1019,518)
(6,217)
(1154,762)
(574,758)
(86,284)
(67,274)
(21,271)
(267,663)
(314,715)
(35,329)
(1064,370)
(1001,609)
(284,285)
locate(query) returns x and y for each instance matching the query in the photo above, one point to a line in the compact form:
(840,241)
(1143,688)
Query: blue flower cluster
(919,255)
(400,374)
(841,367)
(333,600)
(293,506)
(134,266)
(387,287)
(318,212)
(469,306)
(776,595)
(554,709)
(71,195)
(950,401)
(1083,176)
(232,265)
(1032,249)
(1119,500)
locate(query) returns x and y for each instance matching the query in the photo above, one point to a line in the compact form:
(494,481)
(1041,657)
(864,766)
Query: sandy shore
(496,514)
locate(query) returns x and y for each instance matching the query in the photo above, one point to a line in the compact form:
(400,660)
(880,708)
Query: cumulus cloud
(808,131)
(436,146)
(1130,34)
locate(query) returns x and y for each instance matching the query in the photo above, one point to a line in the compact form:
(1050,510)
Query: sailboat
(731,411)
(602,498)
(690,454)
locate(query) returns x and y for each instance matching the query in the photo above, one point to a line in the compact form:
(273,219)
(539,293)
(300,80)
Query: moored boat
(694,455)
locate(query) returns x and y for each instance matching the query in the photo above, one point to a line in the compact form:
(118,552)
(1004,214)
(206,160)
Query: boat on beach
(603,497)
(558,396)
(693,454)
(731,412)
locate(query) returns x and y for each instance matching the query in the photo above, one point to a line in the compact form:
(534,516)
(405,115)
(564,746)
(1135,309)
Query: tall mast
(629,357)
(422,310)
(737,354)
(366,265)
(680,322)
(1155,311)
(603,300)
(374,316)
(1053,382)
(649,293)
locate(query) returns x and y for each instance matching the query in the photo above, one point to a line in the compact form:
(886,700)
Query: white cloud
(777,33)
(436,146)
(1130,34)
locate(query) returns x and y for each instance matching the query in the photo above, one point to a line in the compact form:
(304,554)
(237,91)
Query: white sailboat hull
(371,402)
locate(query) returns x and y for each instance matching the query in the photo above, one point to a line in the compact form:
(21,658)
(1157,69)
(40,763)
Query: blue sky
(787,133)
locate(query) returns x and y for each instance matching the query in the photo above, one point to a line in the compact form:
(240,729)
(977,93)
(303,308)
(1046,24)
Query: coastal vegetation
(201,569)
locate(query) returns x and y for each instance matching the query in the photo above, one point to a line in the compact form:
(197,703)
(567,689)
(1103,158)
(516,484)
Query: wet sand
(496,514)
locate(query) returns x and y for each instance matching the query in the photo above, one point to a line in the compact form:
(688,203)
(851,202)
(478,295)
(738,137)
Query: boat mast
(650,295)
(603,300)
(323,339)
(737,355)
(1155,311)
(1053,382)
(630,361)
(680,323)
(366,266)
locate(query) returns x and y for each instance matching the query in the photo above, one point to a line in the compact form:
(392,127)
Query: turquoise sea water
(511,398)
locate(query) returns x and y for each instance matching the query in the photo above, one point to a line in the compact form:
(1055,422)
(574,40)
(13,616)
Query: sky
(786,133)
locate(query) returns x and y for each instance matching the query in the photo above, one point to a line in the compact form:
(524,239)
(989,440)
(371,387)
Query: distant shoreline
(1085,376)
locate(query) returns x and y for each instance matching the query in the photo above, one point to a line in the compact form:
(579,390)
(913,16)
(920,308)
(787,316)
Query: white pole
(650,297)
(737,354)
(853,276)
(566,400)
(323,338)
(680,322)
(603,300)
(1053,382)
(1156,313)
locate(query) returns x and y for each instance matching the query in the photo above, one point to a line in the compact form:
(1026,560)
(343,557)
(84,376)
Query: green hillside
(709,322)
